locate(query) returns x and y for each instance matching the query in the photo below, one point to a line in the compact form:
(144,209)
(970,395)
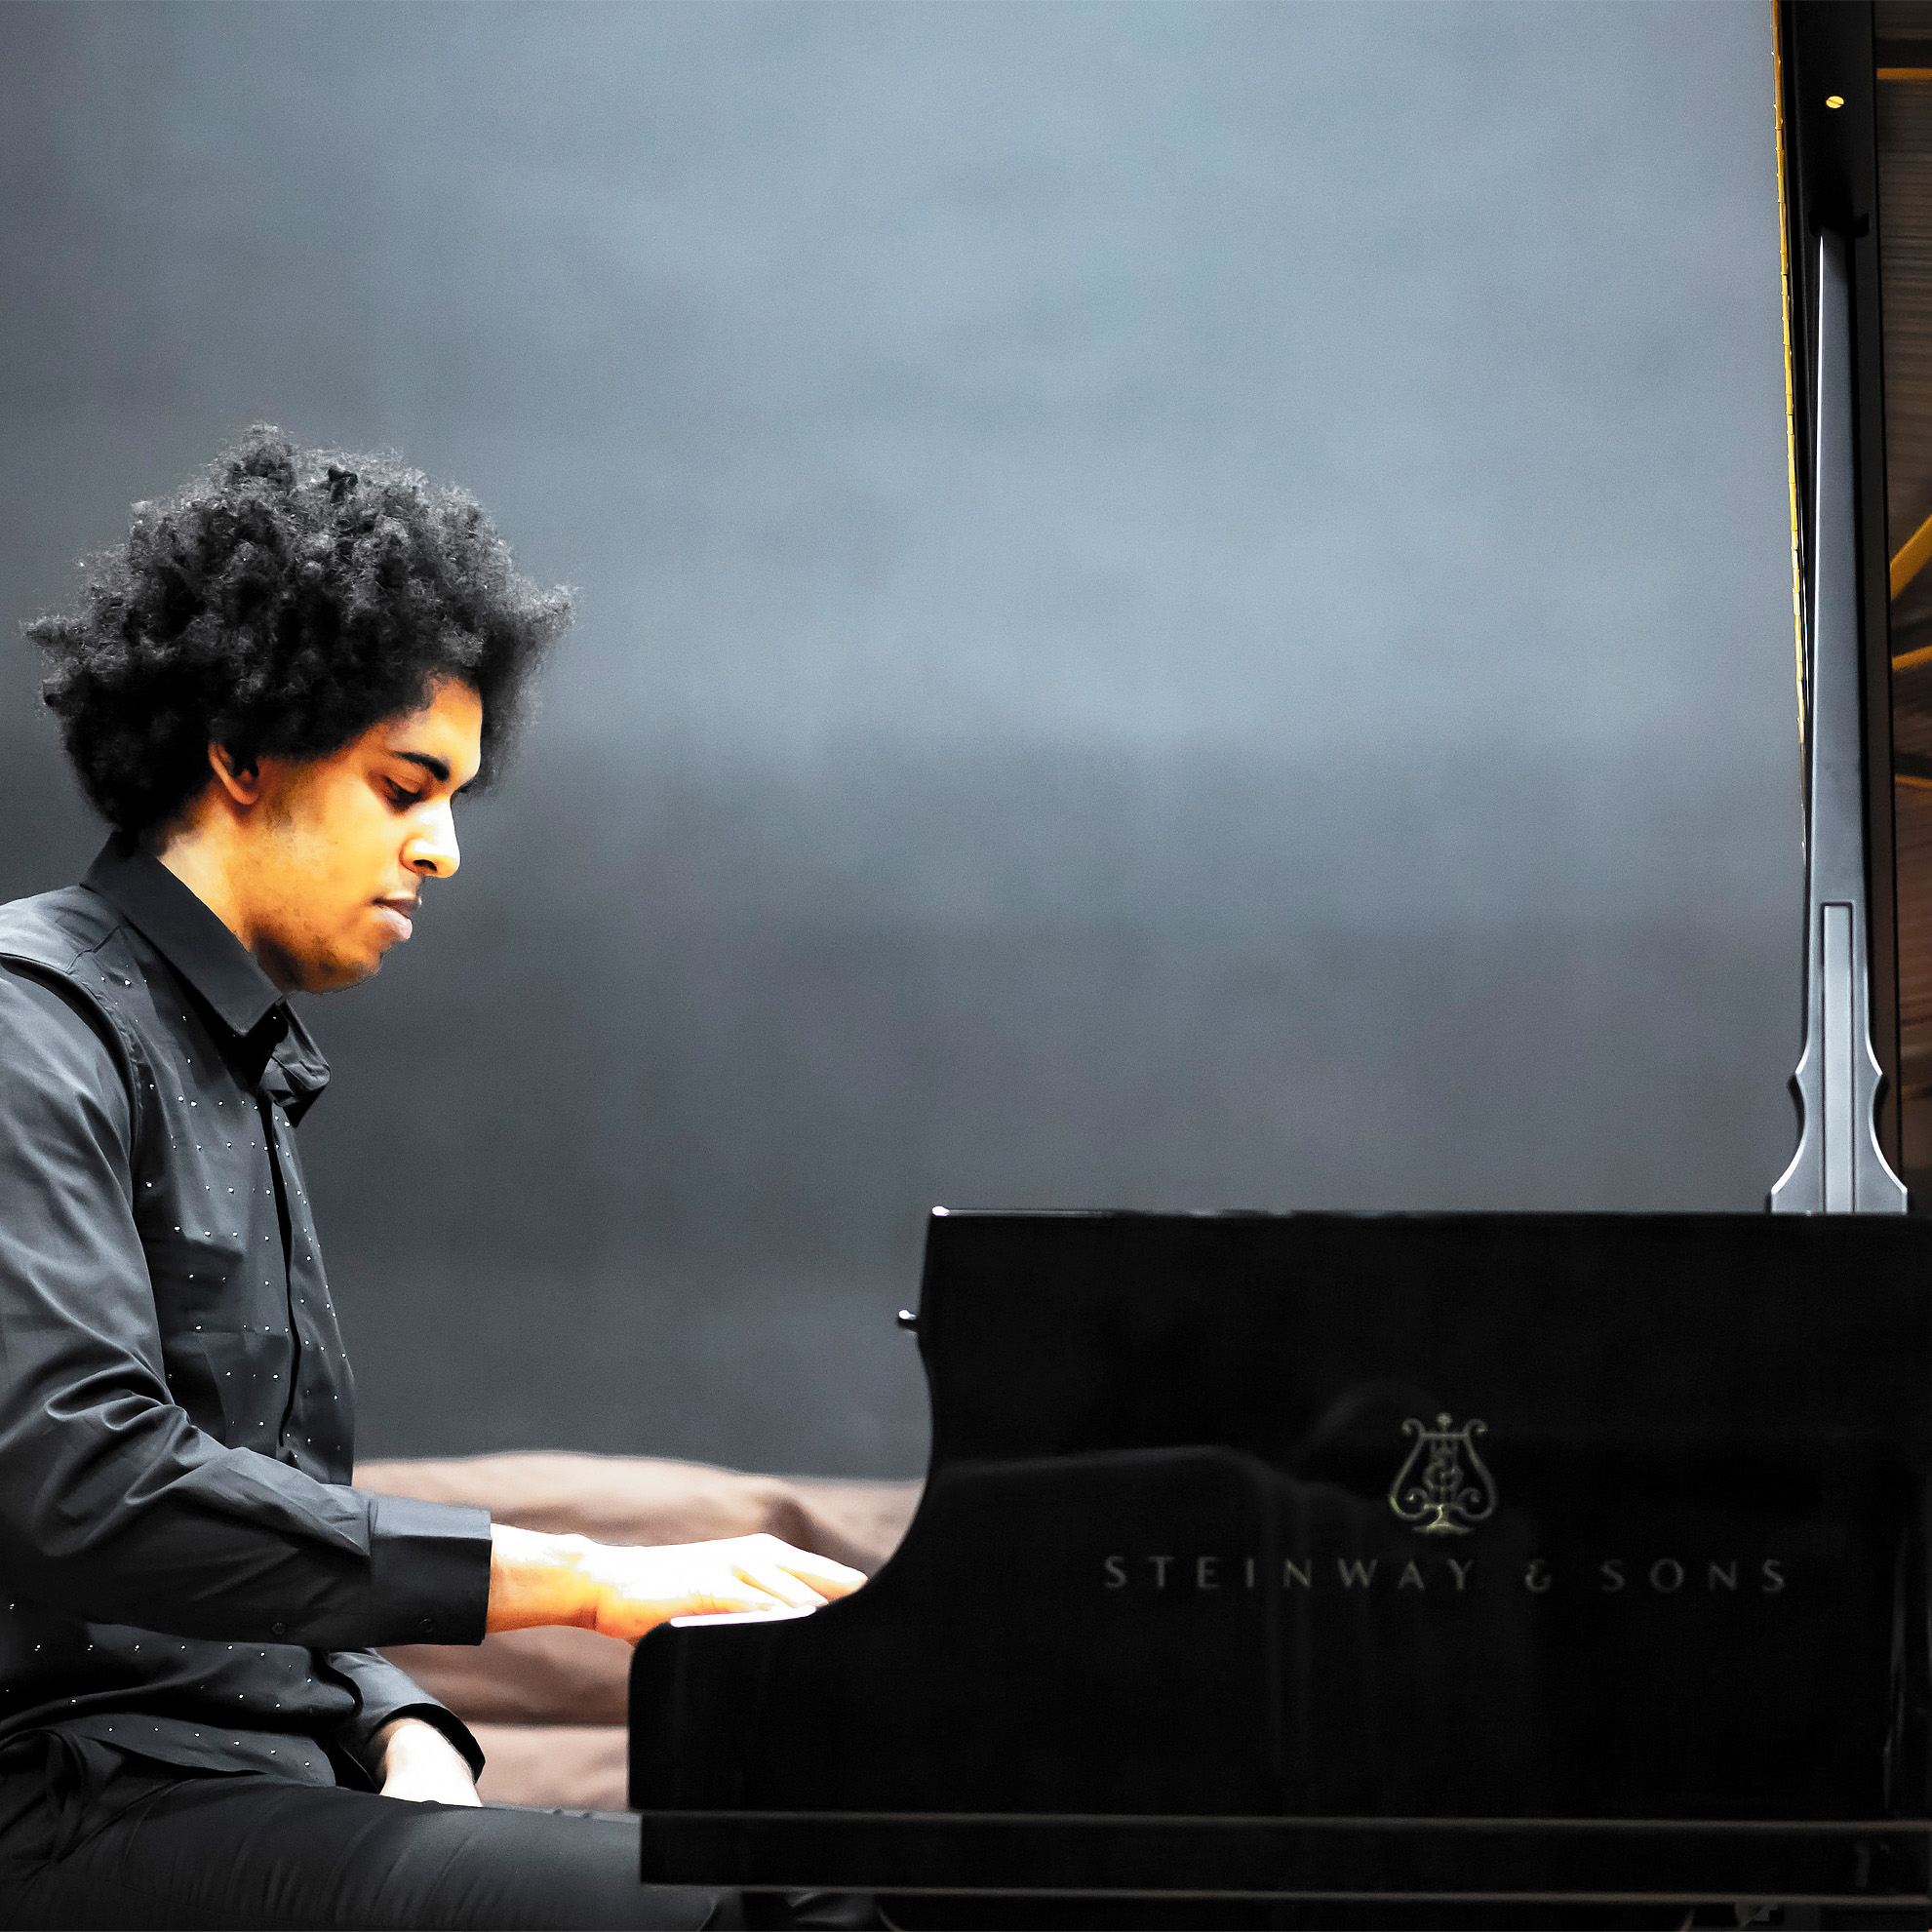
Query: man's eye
(400,796)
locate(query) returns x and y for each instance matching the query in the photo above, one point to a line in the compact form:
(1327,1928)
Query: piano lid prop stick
(1840,1167)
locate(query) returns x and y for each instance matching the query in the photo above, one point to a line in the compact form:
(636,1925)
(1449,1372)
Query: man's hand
(418,1763)
(622,1593)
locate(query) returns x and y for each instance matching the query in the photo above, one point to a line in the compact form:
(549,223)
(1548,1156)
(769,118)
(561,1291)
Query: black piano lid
(1136,1329)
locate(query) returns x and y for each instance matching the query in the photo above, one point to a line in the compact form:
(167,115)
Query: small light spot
(1834,100)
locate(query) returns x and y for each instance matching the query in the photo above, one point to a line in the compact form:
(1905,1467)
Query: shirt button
(427,1626)
(276,1630)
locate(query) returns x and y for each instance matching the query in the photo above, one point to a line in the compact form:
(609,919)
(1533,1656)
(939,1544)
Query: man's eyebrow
(437,767)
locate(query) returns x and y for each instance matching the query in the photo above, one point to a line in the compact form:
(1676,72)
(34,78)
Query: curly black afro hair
(281,604)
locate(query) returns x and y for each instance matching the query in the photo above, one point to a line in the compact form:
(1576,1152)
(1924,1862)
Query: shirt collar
(187,933)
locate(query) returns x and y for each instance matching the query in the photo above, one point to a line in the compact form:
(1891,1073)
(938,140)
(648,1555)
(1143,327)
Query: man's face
(337,848)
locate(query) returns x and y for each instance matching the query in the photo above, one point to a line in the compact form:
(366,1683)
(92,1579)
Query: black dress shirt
(184,1571)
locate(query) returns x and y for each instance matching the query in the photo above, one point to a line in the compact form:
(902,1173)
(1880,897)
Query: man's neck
(205,862)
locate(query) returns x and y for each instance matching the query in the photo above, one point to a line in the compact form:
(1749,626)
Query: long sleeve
(116,1506)
(385,1692)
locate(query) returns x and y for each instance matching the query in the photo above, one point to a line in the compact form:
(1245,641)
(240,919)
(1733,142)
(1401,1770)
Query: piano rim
(1907,1835)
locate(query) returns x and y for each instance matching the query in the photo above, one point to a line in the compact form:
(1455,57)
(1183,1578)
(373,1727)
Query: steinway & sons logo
(1440,1499)
(1444,1488)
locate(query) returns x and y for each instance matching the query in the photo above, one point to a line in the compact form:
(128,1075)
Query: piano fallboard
(1345,1556)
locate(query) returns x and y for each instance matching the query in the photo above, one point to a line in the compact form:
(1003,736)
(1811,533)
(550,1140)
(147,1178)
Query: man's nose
(431,850)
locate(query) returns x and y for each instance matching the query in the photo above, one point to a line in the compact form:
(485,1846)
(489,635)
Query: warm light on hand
(625,1592)
(420,1765)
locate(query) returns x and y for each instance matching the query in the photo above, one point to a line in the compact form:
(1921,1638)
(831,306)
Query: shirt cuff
(453,1727)
(385,1692)
(362,1746)
(428,1571)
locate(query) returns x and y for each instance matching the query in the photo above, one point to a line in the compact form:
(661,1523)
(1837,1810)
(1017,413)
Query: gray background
(1182,604)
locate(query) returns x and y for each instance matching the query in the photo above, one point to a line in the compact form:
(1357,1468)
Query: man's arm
(115,1507)
(113,1504)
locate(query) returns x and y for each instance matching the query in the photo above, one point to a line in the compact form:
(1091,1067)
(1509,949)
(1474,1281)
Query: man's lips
(395,914)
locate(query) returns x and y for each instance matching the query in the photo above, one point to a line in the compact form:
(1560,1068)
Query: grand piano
(1409,1569)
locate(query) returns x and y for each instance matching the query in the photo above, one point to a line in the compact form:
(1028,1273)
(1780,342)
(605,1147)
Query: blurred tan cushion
(525,1676)
(576,1678)
(580,1767)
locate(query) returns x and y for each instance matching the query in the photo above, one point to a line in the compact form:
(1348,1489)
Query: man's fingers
(823,1575)
(731,1594)
(792,1591)
(750,1575)
(634,1617)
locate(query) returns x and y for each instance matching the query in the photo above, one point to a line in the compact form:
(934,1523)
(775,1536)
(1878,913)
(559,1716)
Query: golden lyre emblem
(1442,1498)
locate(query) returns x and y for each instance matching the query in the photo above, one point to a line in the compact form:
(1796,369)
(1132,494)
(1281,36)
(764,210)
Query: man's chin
(337,975)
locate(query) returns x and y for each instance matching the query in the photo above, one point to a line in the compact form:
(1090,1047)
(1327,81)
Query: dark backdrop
(1182,604)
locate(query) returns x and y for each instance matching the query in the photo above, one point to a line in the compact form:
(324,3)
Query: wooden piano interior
(1903,58)
(1904,163)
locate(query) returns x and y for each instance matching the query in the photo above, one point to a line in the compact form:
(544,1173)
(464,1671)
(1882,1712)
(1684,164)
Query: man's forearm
(538,1579)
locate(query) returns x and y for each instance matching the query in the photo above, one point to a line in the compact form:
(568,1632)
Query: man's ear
(242,782)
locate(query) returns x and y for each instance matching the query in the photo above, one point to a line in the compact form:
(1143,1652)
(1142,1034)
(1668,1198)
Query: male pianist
(274,692)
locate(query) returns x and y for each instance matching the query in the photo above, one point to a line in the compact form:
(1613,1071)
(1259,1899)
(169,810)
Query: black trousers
(94,1837)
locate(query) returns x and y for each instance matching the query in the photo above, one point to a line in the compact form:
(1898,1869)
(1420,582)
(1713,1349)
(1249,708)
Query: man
(274,692)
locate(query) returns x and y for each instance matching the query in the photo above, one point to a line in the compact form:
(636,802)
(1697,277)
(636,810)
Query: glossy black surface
(1158,1574)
